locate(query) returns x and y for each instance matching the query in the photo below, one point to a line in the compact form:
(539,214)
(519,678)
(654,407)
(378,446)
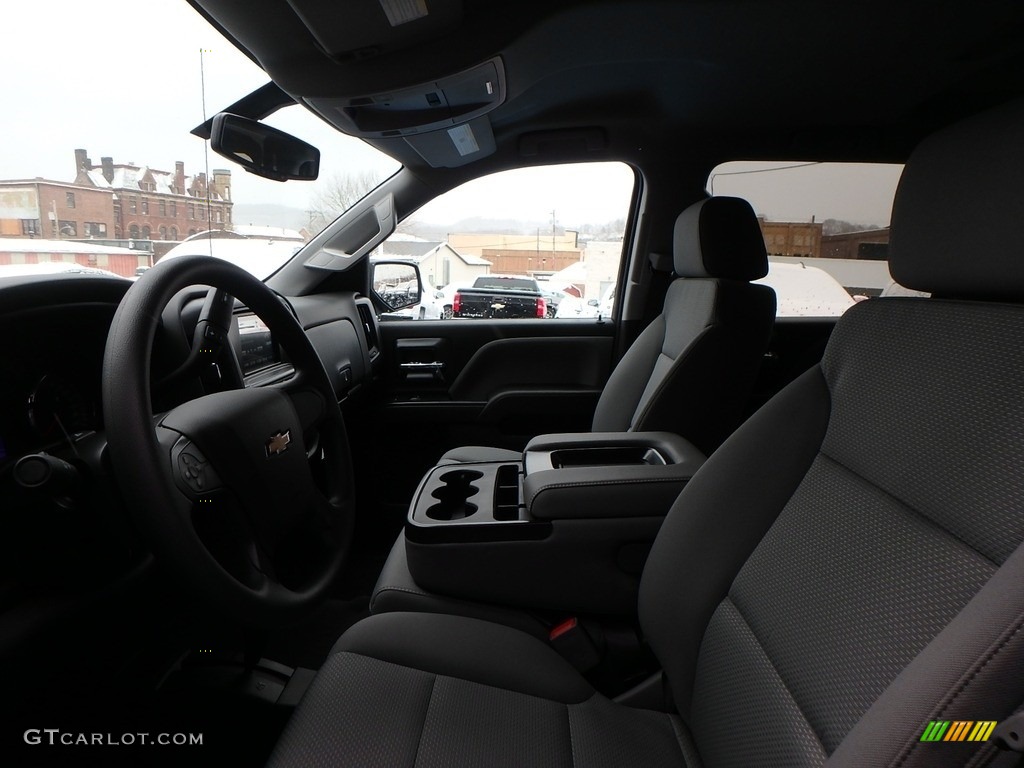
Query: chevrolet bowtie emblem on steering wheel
(278,443)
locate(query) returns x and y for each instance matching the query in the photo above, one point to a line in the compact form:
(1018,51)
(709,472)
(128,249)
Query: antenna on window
(206,150)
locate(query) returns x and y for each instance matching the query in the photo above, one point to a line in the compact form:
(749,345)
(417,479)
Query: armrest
(606,474)
(593,492)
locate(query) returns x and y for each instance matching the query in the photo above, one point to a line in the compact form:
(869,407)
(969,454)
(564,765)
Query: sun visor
(359,29)
(432,106)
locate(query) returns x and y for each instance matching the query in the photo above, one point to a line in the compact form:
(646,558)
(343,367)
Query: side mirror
(395,284)
(263,150)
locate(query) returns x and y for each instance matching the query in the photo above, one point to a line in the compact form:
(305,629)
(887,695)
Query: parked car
(430,306)
(553,297)
(447,298)
(575,308)
(500,296)
(802,291)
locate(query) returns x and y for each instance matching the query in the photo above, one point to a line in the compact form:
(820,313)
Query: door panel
(495,383)
(550,363)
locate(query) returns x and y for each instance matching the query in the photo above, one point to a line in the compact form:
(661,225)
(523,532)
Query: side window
(540,242)
(825,227)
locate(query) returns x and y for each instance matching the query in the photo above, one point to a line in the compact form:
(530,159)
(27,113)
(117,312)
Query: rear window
(825,226)
(506,284)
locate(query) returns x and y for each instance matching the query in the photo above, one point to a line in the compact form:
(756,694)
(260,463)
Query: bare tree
(337,195)
(840,227)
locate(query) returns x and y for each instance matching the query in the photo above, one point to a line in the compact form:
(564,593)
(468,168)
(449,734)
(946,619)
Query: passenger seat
(692,369)
(690,372)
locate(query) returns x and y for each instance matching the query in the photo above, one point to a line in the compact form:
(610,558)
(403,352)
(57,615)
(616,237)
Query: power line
(711,181)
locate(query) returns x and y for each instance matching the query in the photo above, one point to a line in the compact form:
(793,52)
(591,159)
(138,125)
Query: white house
(439,263)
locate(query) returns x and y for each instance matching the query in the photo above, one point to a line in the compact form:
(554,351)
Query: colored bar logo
(958,730)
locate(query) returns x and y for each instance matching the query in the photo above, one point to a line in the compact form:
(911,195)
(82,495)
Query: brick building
(791,238)
(871,244)
(55,210)
(149,204)
(540,254)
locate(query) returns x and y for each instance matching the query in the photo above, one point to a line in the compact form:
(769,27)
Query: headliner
(842,80)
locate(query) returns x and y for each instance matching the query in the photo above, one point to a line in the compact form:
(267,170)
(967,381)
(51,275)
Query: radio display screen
(258,348)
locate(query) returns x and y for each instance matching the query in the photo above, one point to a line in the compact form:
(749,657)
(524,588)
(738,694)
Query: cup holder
(452,497)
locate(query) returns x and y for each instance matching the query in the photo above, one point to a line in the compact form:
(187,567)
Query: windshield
(98,150)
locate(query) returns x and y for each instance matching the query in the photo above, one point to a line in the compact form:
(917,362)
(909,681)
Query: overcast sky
(785,191)
(122,78)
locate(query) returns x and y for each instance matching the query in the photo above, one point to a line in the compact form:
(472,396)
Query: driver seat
(845,569)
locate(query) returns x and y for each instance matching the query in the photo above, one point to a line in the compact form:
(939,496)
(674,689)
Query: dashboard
(54,333)
(50,374)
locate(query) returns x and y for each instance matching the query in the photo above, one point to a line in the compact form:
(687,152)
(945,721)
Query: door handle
(420,367)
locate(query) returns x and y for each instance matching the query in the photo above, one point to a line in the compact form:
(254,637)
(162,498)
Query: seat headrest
(958,217)
(719,237)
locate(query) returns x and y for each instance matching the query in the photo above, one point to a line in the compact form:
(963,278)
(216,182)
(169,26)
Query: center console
(568,528)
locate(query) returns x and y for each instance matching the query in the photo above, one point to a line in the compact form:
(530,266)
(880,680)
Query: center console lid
(606,474)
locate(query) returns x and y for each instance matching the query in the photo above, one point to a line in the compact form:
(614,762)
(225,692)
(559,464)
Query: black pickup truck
(500,296)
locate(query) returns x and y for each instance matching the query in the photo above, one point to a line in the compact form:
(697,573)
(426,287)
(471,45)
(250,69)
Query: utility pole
(529,271)
(56,221)
(552,233)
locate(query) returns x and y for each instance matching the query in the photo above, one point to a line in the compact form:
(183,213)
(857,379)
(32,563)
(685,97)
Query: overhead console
(568,528)
(443,120)
(424,107)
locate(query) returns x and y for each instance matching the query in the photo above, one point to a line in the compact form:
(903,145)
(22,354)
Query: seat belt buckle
(1009,734)
(574,644)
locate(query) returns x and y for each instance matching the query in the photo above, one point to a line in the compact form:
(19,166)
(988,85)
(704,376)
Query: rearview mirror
(263,150)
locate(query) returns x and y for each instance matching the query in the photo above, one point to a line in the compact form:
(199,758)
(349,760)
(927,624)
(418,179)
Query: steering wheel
(221,487)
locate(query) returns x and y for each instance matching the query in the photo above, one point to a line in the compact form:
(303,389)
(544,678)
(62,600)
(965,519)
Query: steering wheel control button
(192,471)
(40,470)
(32,471)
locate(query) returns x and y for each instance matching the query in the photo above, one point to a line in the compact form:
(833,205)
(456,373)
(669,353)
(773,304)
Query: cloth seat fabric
(429,679)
